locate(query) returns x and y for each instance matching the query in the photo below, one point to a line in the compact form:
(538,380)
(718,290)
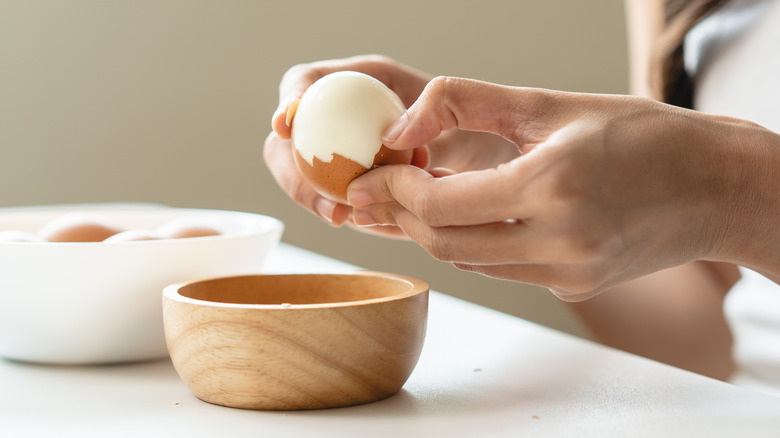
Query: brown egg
(336,131)
(78,227)
(184,233)
(187,227)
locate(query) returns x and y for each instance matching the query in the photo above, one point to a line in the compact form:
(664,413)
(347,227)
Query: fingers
(507,241)
(475,106)
(486,244)
(405,81)
(280,120)
(455,200)
(387,231)
(512,251)
(279,159)
(563,281)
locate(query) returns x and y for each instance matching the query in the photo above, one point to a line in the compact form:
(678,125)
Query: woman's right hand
(608,189)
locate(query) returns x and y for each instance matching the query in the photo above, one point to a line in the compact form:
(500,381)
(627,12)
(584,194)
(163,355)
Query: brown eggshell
(78,228)
(186,227)
(331,179)
(185,233)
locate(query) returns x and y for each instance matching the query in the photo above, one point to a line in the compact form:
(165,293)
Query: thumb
(468,104)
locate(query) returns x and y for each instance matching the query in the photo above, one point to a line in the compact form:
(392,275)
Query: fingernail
(324,208)
(394,131)
(359,198)
(288,105)
(279,110)
(363,219)
(292,108)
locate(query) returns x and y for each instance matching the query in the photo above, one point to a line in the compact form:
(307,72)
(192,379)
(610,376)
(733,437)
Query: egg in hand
(337,131)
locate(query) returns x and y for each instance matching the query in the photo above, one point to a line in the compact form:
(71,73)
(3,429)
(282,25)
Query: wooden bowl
(300,341)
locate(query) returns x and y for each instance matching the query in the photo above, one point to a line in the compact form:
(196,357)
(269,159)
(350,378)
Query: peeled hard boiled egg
(337,131)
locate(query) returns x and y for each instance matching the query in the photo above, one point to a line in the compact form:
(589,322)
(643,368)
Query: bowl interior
(229,224)
(300,289)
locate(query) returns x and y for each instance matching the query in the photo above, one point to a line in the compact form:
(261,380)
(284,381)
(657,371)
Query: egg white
(344,113)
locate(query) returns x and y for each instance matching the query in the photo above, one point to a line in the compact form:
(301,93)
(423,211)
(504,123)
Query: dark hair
(669,80)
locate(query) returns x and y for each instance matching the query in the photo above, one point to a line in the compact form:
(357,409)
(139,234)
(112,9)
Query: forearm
(673,316)
(749,221)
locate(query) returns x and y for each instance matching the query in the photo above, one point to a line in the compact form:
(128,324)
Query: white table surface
(482,373)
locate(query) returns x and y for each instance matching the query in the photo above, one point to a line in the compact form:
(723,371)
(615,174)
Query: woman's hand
(608,188)
(448,153)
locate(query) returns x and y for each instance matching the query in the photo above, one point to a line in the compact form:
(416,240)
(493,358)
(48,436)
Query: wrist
(748,212)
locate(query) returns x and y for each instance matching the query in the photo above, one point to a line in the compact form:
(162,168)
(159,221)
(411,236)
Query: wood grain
(297,341)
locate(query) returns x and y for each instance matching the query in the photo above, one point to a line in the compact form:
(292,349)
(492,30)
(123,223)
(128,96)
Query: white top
(706,40)
(753,310)
(735,57)
(482,373)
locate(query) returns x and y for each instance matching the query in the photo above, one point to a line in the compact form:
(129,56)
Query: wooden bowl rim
(416,287)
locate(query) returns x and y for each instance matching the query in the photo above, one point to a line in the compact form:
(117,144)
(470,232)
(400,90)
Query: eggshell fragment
(77,227)
(337,131)
(332,179)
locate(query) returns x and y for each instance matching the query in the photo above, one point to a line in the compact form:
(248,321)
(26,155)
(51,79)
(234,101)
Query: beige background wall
(170,101)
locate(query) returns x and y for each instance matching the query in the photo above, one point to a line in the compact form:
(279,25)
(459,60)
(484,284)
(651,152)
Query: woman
(635,211)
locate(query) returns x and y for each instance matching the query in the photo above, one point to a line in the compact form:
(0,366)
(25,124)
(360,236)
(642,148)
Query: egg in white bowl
(100,301)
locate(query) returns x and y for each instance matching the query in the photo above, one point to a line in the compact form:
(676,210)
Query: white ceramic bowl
(98,302)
